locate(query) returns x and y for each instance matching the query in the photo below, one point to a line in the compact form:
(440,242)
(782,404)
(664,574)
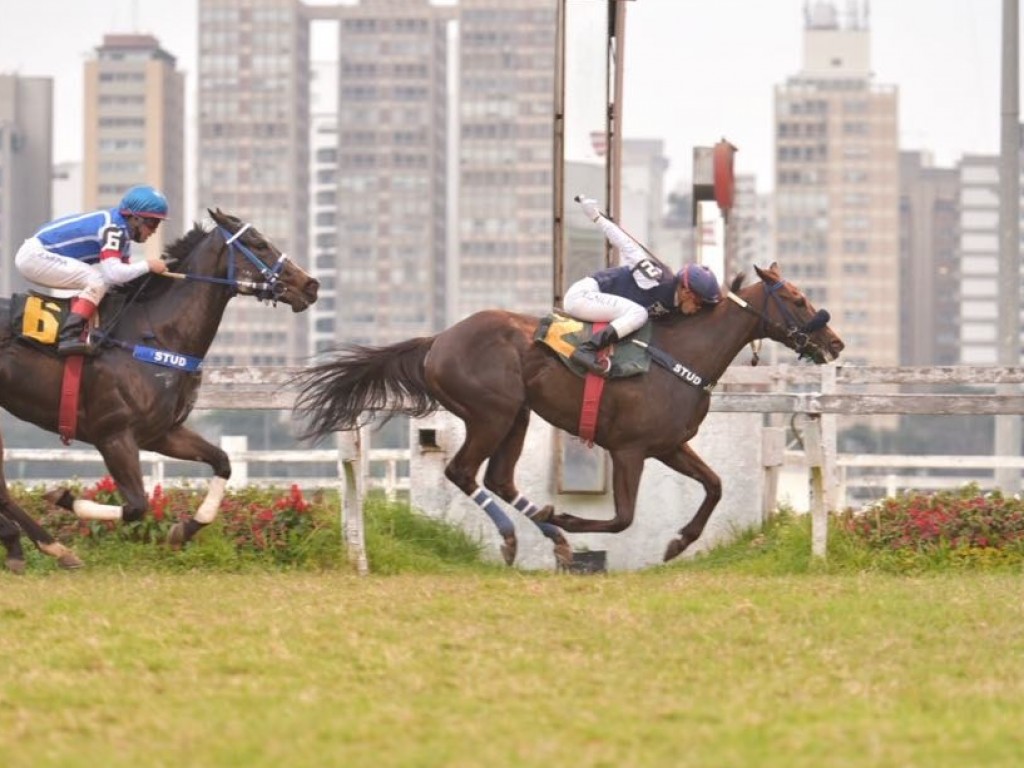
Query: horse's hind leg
(12,516)
(500,478)
(486,429)
(10,538)
(685,461)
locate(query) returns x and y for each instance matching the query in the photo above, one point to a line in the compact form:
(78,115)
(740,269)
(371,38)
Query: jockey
(626,295)
(89,252)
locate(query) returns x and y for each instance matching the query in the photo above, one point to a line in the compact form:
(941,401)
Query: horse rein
(270,290)
(800,335)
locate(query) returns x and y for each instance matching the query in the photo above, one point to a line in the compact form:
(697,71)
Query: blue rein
(270,290)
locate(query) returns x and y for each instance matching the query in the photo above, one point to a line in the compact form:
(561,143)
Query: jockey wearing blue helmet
(89,252)
(626,295)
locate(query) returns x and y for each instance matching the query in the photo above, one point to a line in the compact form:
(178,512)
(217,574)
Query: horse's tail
(334,395)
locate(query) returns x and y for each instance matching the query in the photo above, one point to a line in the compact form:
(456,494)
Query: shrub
(254,526)
(961,526)
(266,522)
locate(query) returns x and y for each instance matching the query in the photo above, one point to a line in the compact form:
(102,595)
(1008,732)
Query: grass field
(671,667)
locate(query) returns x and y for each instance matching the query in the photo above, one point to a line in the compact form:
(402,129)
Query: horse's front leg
(182,443)
(627,466)
(685,461)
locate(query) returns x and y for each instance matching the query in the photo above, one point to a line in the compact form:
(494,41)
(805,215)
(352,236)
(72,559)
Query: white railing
(816,394)
(155,467)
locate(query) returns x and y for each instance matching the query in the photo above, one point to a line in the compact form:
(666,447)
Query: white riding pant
(53,271)
(585,301)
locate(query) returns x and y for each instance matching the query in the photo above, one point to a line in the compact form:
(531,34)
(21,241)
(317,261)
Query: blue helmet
(702,281)
(145,201)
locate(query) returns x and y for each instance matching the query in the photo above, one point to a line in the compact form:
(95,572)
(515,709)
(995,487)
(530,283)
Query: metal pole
(558,201)
(1008,427)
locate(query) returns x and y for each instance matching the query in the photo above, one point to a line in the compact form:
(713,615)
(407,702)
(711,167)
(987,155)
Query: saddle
(563,334)
(36,319)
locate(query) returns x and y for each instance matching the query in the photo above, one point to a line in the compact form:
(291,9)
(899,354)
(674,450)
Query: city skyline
(680,55)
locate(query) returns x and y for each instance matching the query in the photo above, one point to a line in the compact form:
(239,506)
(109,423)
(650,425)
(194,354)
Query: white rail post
(350,492)
(815,463)
(773,455)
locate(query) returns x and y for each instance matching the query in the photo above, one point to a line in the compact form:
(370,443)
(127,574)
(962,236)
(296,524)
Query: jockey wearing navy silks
(626,295)
(89,252)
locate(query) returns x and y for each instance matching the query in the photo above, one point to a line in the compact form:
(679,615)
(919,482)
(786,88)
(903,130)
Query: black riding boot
(586,353)
(70,341)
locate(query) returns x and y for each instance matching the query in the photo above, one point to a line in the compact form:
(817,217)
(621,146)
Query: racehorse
(488,371)
(138,392)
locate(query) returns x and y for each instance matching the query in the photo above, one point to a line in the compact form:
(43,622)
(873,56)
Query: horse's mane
(148,286)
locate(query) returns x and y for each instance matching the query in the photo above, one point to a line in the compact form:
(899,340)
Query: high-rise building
(752,224)
(837,184)
(253,153)
(506,103)
(26,162)
(929,262)
(979,259)
(323,220)
(392,151)
(134,132)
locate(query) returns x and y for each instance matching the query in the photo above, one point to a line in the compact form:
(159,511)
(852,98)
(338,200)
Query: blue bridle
(271,289)
(799,334)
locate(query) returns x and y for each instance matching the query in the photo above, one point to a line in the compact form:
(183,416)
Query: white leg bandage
(207,511)
(87,509)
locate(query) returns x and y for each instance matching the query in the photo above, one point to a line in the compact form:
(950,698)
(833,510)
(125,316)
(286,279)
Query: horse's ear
(770,275)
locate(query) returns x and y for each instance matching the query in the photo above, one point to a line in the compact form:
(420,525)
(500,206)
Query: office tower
(26,162)
(929,262)
(134,131)
(753,228)
(253,154)
(979,259)
(323,220)
(392,199)
(837,184)
(506,103)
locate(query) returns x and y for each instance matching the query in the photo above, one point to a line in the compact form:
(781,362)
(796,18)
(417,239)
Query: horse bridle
(798,334)
(272,289)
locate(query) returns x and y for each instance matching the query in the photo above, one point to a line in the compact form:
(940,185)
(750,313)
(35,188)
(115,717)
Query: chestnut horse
(138,392)
(489,371)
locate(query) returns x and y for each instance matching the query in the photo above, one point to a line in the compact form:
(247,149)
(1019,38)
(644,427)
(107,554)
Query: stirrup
(594,364)
(73,347)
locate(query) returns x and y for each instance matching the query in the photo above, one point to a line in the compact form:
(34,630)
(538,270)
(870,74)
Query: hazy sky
(697,70)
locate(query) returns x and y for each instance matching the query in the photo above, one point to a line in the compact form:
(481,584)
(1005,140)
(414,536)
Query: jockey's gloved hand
(589,206)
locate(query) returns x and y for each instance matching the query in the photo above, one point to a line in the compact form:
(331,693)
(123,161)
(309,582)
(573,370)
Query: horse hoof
(69,561)
(674,549)
(15,566)
(508,550)
(563,554)
(60,497)
(543,515)
(176,536)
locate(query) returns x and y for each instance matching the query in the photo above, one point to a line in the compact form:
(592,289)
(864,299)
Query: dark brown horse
(489,372)
(139,391)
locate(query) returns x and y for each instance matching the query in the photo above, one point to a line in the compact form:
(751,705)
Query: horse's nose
(837,346)
(310,289)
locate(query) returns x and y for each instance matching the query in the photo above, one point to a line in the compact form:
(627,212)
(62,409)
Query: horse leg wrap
(524,505)
(484,500)
(207,511)
(86,509)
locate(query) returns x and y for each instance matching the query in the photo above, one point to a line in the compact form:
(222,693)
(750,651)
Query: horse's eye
(801,302)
